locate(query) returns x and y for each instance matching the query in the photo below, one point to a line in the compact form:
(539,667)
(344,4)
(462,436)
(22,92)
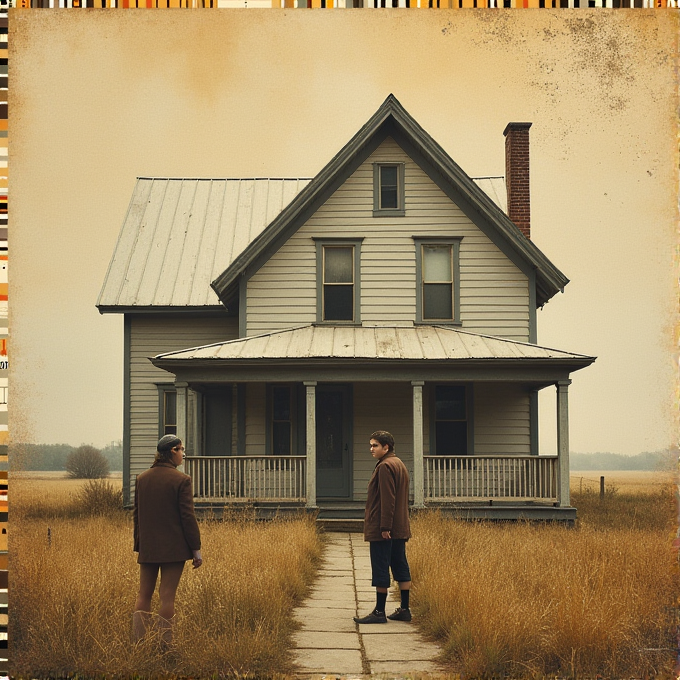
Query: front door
(333,441)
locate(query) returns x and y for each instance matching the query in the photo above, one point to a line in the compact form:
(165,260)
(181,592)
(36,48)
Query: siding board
(502,419)
(151,335)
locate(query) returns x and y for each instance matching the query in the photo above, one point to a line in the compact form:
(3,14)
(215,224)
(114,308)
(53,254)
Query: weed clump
(98,497)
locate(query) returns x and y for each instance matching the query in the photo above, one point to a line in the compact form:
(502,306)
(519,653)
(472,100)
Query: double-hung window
(338,268)
(450,421)
(388,190)
(167,415)
(438,273)
(282,420)
(285,408)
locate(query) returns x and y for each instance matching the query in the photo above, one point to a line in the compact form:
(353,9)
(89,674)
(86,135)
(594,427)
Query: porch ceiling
(375,345)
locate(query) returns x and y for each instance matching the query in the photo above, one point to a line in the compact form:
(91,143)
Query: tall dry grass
(530,600)
(37,497)
(72,600)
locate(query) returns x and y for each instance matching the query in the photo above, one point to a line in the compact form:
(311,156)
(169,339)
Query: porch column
(182,430)
(563,441)
(310,387)
(418,474)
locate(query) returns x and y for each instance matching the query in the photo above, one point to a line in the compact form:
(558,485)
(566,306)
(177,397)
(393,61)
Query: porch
(464,418)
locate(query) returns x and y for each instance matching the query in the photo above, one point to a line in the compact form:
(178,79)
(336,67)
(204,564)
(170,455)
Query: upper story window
(338,281)
(388,189)
(438,273)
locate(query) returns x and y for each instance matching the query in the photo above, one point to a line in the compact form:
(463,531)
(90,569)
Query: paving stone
(391,627)
(303,614)
(339,621)
(398,647)
(400,668)
(328,661)
(326,640)
(331,604)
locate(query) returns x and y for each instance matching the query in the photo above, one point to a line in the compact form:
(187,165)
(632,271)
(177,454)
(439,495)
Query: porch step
(341,525)
(353,511)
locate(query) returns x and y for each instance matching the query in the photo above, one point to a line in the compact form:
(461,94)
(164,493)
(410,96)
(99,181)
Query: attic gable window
(438,276)
(388,190)
(338,281)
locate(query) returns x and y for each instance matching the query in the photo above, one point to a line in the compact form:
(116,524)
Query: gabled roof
(376,343)
(392,120)
(179,234)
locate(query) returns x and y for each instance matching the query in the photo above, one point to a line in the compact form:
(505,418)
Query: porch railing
(247,477)
(477,478)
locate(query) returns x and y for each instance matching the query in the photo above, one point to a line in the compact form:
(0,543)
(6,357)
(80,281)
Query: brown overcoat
(387,500)
(165,527)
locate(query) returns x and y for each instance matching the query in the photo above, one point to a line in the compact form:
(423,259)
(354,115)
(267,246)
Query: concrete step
(344,525)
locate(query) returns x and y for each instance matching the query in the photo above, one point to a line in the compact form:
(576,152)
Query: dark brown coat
(387,501)
(165,525)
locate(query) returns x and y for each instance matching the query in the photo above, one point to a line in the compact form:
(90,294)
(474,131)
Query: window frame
(400,210)
(322,243)
(469,413)
(163,389)
(297,410)
(454,242)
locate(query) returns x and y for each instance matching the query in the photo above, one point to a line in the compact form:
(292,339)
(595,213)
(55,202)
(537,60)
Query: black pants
(385,555)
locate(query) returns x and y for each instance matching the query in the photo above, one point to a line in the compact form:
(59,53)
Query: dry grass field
(533,601)
(72,597)
(512,600)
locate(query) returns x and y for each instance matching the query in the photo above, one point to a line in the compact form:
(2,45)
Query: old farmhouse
(273,324)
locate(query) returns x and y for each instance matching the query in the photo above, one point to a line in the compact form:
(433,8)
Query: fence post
(602,487)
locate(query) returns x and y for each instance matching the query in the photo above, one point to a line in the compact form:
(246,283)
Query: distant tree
(113,452)
(87,462)
(24,456)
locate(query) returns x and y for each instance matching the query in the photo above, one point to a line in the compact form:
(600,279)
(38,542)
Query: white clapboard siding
(151,335)
(380,406)
(501,419)
(494,293)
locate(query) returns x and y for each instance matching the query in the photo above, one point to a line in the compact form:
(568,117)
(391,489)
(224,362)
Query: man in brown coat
(387,528)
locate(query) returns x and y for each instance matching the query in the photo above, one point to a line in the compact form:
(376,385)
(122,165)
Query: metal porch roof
(409,343)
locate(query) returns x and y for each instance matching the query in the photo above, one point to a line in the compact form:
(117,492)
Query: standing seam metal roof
(180,234)
(372,342)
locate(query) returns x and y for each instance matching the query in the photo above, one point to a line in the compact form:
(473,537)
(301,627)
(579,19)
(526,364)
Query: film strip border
(4,365)
(330,4)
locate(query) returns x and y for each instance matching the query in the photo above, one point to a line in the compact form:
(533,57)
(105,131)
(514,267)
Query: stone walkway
(331,644)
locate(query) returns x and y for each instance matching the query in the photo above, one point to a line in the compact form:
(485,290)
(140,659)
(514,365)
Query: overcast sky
(98,98)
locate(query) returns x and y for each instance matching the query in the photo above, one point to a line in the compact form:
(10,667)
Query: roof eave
(575,363)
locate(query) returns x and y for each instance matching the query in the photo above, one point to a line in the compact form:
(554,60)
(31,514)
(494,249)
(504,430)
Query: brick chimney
(517,175)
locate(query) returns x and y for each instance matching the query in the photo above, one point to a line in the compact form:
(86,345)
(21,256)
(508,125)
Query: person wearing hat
(166,535)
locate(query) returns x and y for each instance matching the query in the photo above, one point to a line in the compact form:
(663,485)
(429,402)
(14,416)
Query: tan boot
(140,624)
(165,629)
